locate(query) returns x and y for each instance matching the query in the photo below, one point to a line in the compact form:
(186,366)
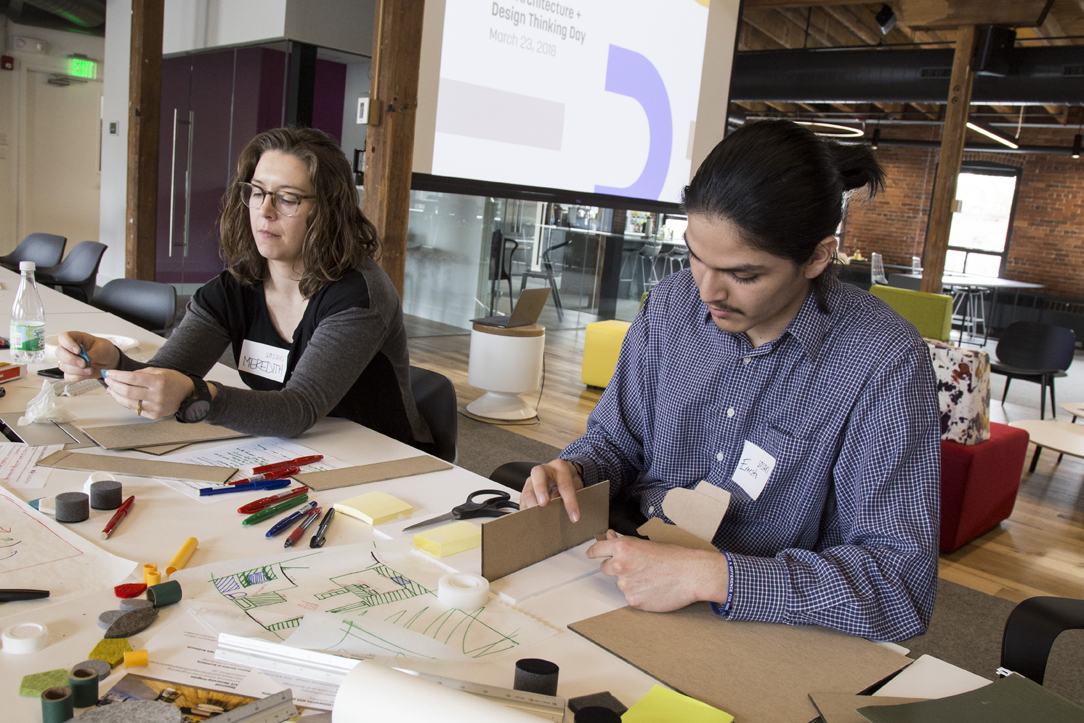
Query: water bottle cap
(27,266)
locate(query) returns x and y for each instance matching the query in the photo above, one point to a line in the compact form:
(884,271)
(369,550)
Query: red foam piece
(130,590)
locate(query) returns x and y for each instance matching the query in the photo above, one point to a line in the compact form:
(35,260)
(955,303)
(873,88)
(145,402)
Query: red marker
(273,474)
(299,462)
(265,502)
(117,517)
(296,534)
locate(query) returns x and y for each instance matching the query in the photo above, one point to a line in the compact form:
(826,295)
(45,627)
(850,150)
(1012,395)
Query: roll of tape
(57,705)
(105,494)
(534,675)
(72,507)
(25,638)
(463,590)
(84,685)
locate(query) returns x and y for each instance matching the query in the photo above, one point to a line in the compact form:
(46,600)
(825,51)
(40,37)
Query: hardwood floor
(1039,550)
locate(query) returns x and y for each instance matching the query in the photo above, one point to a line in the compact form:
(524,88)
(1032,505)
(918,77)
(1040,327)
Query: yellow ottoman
(601,347)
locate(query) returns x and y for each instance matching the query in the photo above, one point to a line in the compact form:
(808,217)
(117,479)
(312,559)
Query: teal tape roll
(57,705)
(164,594)
(84,685)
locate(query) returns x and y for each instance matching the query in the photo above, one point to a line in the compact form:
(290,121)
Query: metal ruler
(549,707)
(272,709)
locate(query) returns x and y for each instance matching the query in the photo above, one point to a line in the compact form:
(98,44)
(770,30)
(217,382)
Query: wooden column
(144,108)
(389,143)
(952,154)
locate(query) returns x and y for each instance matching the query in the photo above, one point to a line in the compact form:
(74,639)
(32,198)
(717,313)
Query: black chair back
(1031,345)
(146,303)
(435,396)
(902,281)
(44,249)
(77,274)
(1030,632)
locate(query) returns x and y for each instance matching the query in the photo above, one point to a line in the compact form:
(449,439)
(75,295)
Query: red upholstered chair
(979,483)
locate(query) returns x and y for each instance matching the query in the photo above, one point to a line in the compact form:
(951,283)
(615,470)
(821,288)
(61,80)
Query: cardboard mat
(377,472)
(151,434)
(136,467)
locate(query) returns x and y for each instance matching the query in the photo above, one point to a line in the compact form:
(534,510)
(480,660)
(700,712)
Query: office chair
(77,274)
(1031,629)
(44,249)
(877,269)
(1037,353)
(498,270)
(148,304)
(435,397)
(547,274)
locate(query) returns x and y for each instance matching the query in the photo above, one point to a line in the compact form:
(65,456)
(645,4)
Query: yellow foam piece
(662,705)
(135,658)
(601,347)
(374,507)
(110,650)
(449,539)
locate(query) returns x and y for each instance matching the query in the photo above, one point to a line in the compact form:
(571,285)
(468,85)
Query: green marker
(272,511)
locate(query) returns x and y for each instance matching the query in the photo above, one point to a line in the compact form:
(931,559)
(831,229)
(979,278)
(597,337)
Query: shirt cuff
(590,469)
(725,607)
(758,589)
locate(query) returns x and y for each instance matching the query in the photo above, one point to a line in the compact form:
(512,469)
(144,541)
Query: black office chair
(501,250)
(148,304)
(903,281)
(44,249)
(435,397)
(547,274)
(77,274)
(1031,629)
(1037,353)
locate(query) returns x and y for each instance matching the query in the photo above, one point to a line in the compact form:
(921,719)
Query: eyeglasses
(284,202)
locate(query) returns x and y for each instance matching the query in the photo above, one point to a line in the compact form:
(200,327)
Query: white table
(1062,437)
(51,300)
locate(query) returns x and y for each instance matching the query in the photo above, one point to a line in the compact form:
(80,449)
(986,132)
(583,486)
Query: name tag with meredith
(263,360)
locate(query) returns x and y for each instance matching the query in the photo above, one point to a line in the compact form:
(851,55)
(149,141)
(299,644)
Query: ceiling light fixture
(990,132)
(876,140)
(832,130)
(886,19)
(1078,141)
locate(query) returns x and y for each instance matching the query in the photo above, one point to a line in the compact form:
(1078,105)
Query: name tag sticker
(754,469)
(263,360)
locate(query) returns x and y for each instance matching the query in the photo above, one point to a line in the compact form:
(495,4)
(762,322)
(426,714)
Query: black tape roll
(597,714)
(105,494)
(534,675)
(72,507)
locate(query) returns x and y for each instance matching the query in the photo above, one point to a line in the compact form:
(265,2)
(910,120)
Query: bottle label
(27,337)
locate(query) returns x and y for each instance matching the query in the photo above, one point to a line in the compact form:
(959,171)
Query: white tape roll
(25,638)
(463,590)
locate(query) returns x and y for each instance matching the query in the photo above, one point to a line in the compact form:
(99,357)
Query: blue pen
(84,355)
(267,484)
(281,525)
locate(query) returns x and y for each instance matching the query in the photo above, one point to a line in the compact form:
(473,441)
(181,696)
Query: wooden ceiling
(794,24)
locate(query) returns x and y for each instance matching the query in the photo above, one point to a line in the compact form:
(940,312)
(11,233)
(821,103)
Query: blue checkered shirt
(844,534)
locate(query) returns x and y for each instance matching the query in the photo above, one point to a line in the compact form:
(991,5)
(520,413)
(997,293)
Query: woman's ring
(139,407)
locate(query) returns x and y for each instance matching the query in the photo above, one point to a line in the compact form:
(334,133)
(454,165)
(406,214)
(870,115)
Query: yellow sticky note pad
(374,507)
(449,539)
(662,705)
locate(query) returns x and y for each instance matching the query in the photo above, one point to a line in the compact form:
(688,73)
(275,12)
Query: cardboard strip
(754,671)
(523,538)
(151,434)
(377,472)
(136,467)
(160,449)
(658,531)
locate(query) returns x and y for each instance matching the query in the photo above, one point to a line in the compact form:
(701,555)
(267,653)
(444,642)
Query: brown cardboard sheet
(843,708)
(150,434)
(377,472)
(658,531)
(159,449)
(523,538)
(699,511)
(136,467)
(757,672)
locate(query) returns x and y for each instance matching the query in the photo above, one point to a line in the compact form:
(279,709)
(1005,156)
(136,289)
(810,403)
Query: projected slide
(590,95)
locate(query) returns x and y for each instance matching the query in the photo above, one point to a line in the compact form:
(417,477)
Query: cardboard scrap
(699,510)
(136,467)
(754,671)
(163,431)
(519,539)
(658,531)
(843,708)
(160,449)
(449,539)
(366,473)
(374,507)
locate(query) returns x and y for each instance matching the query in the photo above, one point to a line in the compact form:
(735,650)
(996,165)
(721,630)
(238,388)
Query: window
(982,221)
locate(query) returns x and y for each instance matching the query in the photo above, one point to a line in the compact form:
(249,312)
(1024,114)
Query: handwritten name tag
(263,360)
(754,469)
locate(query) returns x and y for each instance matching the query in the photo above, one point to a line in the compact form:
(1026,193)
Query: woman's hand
(558,477)
(152,392)
(103,355)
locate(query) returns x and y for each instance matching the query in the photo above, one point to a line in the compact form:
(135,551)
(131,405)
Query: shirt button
(730,412)
(719,457)
(747,360)
(651,510)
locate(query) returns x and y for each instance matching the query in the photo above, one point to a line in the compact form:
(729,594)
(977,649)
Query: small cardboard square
(164,431)
(374,507)
(658,531)
(449,539)
(514,541)
(754,671)
(136,467)
(699,510)
(843,708)
(366,473)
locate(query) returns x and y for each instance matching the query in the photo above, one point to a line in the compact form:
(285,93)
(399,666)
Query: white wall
(118,36)
(345,25)
(357,86)
(200,24)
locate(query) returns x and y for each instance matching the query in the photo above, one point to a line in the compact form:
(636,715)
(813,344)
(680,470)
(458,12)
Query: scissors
(499,504)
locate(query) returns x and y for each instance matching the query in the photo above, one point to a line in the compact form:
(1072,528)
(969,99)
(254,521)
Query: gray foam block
(101,667)
(133,711)
(605,699)
(105,495)
(135,603)
(108,618)
(534,675)
(132,623)
(72,507)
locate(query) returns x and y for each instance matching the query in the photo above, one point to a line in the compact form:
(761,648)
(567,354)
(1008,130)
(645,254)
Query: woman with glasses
(314,324)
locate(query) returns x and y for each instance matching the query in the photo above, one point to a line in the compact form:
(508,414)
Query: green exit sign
(83,68)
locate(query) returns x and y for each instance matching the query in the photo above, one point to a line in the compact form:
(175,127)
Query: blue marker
(281,525)
(84,355)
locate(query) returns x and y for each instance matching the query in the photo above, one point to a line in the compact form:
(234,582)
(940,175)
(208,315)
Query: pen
(299,462)
(264,502)
(281,473)
(13,595)
(272,511)
(117,517)
(271,484)
(296,534)
(318,536)
(281,525)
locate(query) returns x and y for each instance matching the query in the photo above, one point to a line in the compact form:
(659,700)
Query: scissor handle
(498,504)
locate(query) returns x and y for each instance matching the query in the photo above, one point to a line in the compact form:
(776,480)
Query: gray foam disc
(131,623)
(135,603)
(99,666)
(105,494)
(133,711)
(72,507)
(108,618)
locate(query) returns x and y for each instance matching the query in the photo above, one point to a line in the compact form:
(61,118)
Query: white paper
(754,469)
(930,677)
(17,462)
(263,360)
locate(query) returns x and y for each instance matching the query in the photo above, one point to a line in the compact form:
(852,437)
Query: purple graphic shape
(630,74)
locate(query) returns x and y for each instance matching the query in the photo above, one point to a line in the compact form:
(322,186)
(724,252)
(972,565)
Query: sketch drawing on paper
(26,542)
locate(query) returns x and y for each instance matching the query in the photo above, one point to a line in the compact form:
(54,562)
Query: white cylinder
(463,591)
(509,364)
(25,638)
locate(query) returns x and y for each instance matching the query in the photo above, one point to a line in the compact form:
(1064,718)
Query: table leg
(1035,459)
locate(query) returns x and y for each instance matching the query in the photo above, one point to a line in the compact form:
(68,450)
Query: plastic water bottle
(27,319)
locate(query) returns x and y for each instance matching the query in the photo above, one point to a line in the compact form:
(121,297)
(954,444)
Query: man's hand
(152,392)
(556,478)
(659,578)
(103,355)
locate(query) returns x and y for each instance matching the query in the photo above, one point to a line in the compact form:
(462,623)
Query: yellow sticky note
(374,507)
(662,705)
(449,539)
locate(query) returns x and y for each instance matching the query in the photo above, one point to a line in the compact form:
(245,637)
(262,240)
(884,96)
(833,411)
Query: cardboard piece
(136,467)
(514,541)
(658,531)
(699,510)
(374,507)
(843,708)
(449,539)
(364,474)
(757,672)
(149,434)
(160,449)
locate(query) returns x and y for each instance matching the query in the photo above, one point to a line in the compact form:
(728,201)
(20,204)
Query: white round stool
(505,363)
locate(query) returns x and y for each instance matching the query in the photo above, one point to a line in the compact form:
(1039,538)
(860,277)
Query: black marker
(318,536)
(13,595)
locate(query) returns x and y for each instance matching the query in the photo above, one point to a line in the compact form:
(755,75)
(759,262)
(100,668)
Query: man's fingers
(600,549)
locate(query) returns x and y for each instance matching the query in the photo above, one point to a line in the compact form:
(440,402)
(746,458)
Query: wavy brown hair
(338,238)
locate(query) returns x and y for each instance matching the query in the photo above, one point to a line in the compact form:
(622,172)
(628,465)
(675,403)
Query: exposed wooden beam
(933,14)
(849,19)
(773,27)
